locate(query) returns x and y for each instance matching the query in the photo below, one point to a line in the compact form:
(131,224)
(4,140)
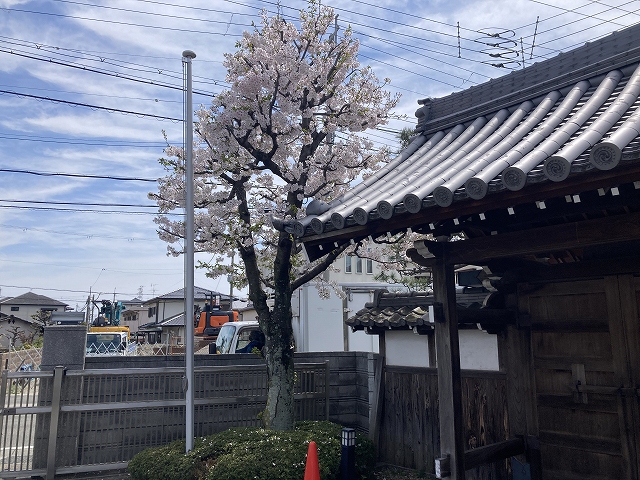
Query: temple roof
(564,121)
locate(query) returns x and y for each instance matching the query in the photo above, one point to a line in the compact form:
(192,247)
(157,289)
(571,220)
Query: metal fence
(54,423)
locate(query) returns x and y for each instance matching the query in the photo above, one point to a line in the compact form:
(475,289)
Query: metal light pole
(187,56)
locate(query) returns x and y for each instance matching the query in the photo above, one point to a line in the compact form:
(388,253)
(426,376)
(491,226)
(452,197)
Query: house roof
(175,321)
(567,125)
(34,299)
(199,293)
(408,310)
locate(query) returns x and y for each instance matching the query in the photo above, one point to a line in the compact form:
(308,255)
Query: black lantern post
(348,460)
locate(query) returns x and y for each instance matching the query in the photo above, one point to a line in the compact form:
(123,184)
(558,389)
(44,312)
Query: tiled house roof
(33,299)
(555,122)
(402,311)
(199,293)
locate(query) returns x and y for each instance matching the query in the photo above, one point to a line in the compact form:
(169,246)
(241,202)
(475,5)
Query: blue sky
(61,235)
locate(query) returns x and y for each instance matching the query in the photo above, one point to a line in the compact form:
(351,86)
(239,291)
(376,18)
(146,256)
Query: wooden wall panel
(409,433)
(574,354)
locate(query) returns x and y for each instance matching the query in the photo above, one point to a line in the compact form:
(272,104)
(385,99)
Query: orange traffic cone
(312,469)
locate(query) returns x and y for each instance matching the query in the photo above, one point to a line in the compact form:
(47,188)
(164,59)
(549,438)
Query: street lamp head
(189,54)
(348,437)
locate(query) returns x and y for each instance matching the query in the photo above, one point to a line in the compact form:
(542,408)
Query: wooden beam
(448,356)
(583,234)
(494,452)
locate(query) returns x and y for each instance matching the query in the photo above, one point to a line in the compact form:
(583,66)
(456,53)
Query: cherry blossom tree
(288,130)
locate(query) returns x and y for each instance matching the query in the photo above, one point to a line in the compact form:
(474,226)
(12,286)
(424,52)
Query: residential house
(134,314)
(165,314)
(16,314)
(540,172)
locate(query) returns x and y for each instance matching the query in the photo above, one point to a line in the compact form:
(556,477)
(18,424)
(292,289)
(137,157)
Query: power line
(41,202)
(65,290)
(102,72)
(95,107)
(105,143)
(56,50)
(77,175)
(74,234)
(119,97)
(79,210)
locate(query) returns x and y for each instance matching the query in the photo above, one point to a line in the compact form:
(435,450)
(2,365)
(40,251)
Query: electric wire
(102,143)
(73,234)
(78,175)
(102,72)
(84,204)
(94,107)
(79,210)
(119,97)
(56,50)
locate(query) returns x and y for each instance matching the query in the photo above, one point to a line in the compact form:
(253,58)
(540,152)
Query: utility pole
(188,383)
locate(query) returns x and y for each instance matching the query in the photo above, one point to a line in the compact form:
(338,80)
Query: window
(152,312)
(358,265)
(347,264)
(15,309)
(369,266)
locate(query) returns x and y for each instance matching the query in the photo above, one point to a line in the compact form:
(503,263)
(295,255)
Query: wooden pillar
(621,294)
(448,361)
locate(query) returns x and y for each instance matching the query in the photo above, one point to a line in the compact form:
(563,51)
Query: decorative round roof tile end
(317,226)
(476,188)
(514,179)
(443,196)
(605,156)
(360,216)
(385,210)
(298,230)
(557,168)
(337,221)
(412,203)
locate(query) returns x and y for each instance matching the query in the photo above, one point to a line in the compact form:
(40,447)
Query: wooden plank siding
(585,347)
(409,432)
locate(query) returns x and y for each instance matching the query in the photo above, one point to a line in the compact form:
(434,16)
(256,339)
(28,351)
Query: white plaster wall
(324,326)
(407,349)
(360,341)
(478,350)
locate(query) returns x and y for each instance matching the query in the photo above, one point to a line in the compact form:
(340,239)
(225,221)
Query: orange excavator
(207,323)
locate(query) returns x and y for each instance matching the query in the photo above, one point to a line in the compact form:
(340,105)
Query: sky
(89,88)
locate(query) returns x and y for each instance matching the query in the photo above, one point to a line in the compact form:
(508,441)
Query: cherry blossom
(287,131)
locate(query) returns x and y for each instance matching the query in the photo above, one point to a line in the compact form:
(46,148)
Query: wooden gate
(586,359)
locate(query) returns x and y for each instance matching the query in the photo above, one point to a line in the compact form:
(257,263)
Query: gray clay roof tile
(568,115)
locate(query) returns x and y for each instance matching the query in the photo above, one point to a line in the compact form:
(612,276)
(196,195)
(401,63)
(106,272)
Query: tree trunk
(279,413)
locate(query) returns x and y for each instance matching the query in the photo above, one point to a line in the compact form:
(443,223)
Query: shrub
(248,453)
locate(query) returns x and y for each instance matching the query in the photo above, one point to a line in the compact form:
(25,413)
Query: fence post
(58,373)
(327,376)
(3,389)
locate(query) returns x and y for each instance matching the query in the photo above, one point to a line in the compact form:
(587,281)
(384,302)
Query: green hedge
(252,453)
